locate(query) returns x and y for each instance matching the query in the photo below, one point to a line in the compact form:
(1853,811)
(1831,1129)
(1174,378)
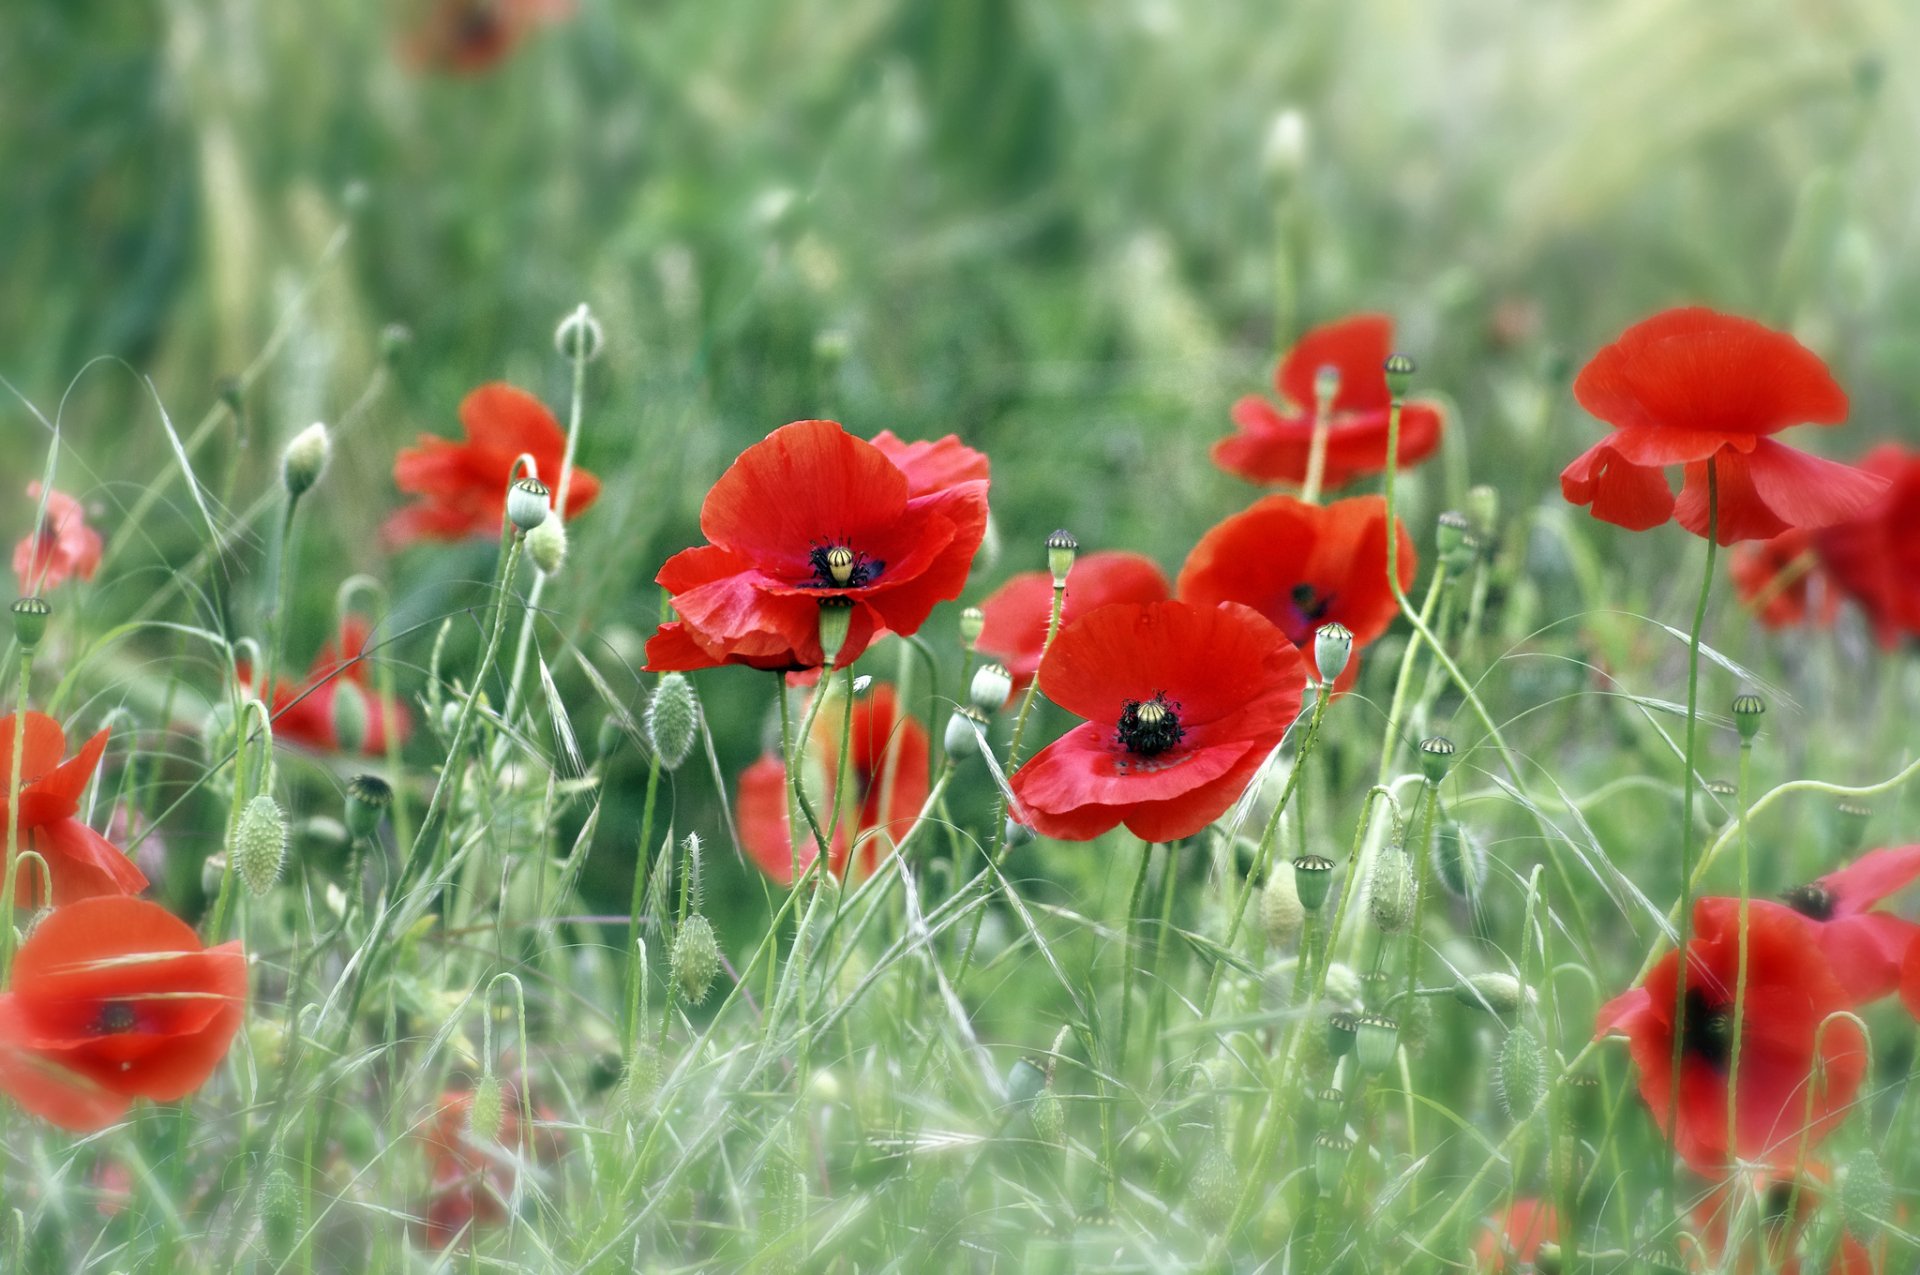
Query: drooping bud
(1390,891)
(547,546)
(1521,1073)
(30,616)
(1483,511)
(973,621)
(259,846)
(1330,1154)
(836,617)
(350,716)
(305,459)
(1376,1038)
(1436,757)
(1281,912)
(1459,859)
(1312,880)
(1214,1189)
(673,720)
(964,733)
(279,1211)
(695,957)
(488,1108)
(579,336)
(1399,369)
(1061,547)
(368,797)
(1496,992)
(1747,712)
(990,687)
(1332,648)
(527,504)
(1342,1027)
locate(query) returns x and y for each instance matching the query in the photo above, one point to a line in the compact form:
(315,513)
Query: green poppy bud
(1281,912)
(1496,992)
(1866,1198)
(1214,1188)
(259,846)
(350,716)
(488,1109)
(1483,511)
(1049,1116)
(280,1211)
(547,546)
(673,719)
(1390,889)
(695,957)
(1521,1073)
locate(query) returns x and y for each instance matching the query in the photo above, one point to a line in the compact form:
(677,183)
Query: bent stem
(13,816)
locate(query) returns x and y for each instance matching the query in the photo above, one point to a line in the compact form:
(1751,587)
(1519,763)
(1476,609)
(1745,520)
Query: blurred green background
(1071,232)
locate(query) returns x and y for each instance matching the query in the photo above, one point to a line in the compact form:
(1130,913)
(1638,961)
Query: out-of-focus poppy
(810,517)
(1018,611)
(312,712)
(62,548)
(1781,582)
(470,1176)
(1875,558)
(1275,441)
(1510,1242)
(1773,1234)
(935,465)
(1863,948)
(81,861)
(886,766)
(462,486)
(1692,386)
(1182,703)
(115,999)
(468,37)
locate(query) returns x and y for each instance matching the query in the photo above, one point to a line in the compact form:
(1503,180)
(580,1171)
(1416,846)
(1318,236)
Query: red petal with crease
(1632,496)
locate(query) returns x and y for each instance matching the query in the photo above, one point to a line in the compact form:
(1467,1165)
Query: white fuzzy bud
(305,459)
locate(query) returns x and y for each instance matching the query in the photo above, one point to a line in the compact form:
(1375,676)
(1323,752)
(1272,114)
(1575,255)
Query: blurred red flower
(467,37)
(309,713)
(1510,1243)
(1183,702)
(807,515)
(1772,1238)
(1689,386)
(1863,948)
(1303,566)
(1790,992)
(463,486)
(1778,579)
(1017,612)
(881,737)
(1910,979)
(1875,558)
(62,548)
(81,861)
(1275,441)
(114,999)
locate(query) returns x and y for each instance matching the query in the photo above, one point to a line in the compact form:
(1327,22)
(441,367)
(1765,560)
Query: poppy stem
(1687,847)
(636,967)
(1126,976)
(13,816)
(793,755)
(1740,977)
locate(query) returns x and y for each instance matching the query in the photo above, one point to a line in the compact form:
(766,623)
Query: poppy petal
(43,1086)
(933,466)
(805,484)
(1871,878)
(1636,497)
(84,864)
(1017,613)
(1357,347)
(1086,766)
(43,745)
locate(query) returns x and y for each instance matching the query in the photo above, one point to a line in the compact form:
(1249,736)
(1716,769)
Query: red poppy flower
(1910,979)
(1863,948)
(1790,991)
(471,1178)
(307,713)
(809,516)
(881,737)
(63,548)
(1018,611)
(114,999)
(1510,1243)
(467,37)
(1875,558)
(1690,386)
(933,466)
(1274,442)
(1303,566)
(1183,703)
(1771,1241)
(463,486)
(81,861)
(1778,579)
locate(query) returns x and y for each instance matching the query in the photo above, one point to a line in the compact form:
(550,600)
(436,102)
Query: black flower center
(837,566)
(1709,1029)
(1811,900)
(1150,727)
(1307,611)
(116,1018)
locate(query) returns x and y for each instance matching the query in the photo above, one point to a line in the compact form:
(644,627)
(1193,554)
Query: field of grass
(508,965)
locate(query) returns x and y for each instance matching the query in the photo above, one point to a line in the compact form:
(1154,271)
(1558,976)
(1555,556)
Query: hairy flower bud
(1483,511)
(1214,1188)
(1866,1198)
(1281,912)
(695,957)
(1459,859)
(488,1109)
(350,716)
(1496,992)
(1390,891)
(547,546)
(527,504)
(259,846)
(305,459)
(279,1211)
(1521,1073)
(1049,1115)
(673,720)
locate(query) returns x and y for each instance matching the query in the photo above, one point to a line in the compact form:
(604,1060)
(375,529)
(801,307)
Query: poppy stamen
(1812,900)
(840,567)
(116,1018)
(1709,1030)
(1150,727)
(1309,610)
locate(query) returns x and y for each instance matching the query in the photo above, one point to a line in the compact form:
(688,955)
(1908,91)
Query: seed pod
(350,716)
(1330,1155)
(673,720)
(990,687)
(1214,1188)
(1851,829)
(1747,712)
(30,616)
(1459,859)
(1436,757)
(1521,1073)
(259,847)
(1483,511)
(527,504)
(973,622)
(1330,1108)
(1342,1029)
(1312,879)
(963,733)
(1281,912)
(695,957)
(836,618)
(1390,891)
(1061,548)
(1399,369)
(305,459)
(1332,648)
(368,797)
(488,1109)
(1375,1041)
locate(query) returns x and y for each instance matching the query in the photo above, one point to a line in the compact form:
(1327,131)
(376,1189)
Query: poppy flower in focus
(1303,566)
(1875,558)
(1182,704)
(315,713)
(81,861)
(114,999)
(1510,1243)
(1276,440)
(810,517)
(62,548)
(1778,580)
(882,739)
(1864,949)
(1771,1241)
(1692,386)
(467,37)
(1790,992)
(1018,611)
(933,466)
(462,487)
(471,1177)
